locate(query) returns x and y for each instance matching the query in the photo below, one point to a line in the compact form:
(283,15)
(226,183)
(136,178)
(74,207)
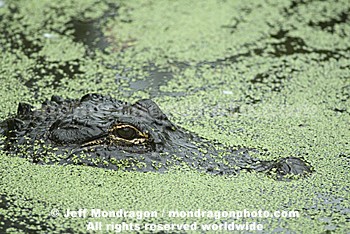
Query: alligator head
(104,132)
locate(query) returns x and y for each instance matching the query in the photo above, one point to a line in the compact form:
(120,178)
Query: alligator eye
(126,133)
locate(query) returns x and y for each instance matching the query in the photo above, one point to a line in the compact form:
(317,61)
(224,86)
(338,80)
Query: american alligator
(104,132)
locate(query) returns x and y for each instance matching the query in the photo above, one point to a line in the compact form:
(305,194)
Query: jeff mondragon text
(217,214)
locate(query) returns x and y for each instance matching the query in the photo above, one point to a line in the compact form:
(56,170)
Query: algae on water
(261,74)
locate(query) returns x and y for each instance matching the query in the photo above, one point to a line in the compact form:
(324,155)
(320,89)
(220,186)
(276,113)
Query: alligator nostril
(57,99)
(90,96)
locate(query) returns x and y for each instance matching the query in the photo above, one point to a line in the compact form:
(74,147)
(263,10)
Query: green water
(270,75)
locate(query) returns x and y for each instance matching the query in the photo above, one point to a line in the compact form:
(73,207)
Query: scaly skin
(103,132)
